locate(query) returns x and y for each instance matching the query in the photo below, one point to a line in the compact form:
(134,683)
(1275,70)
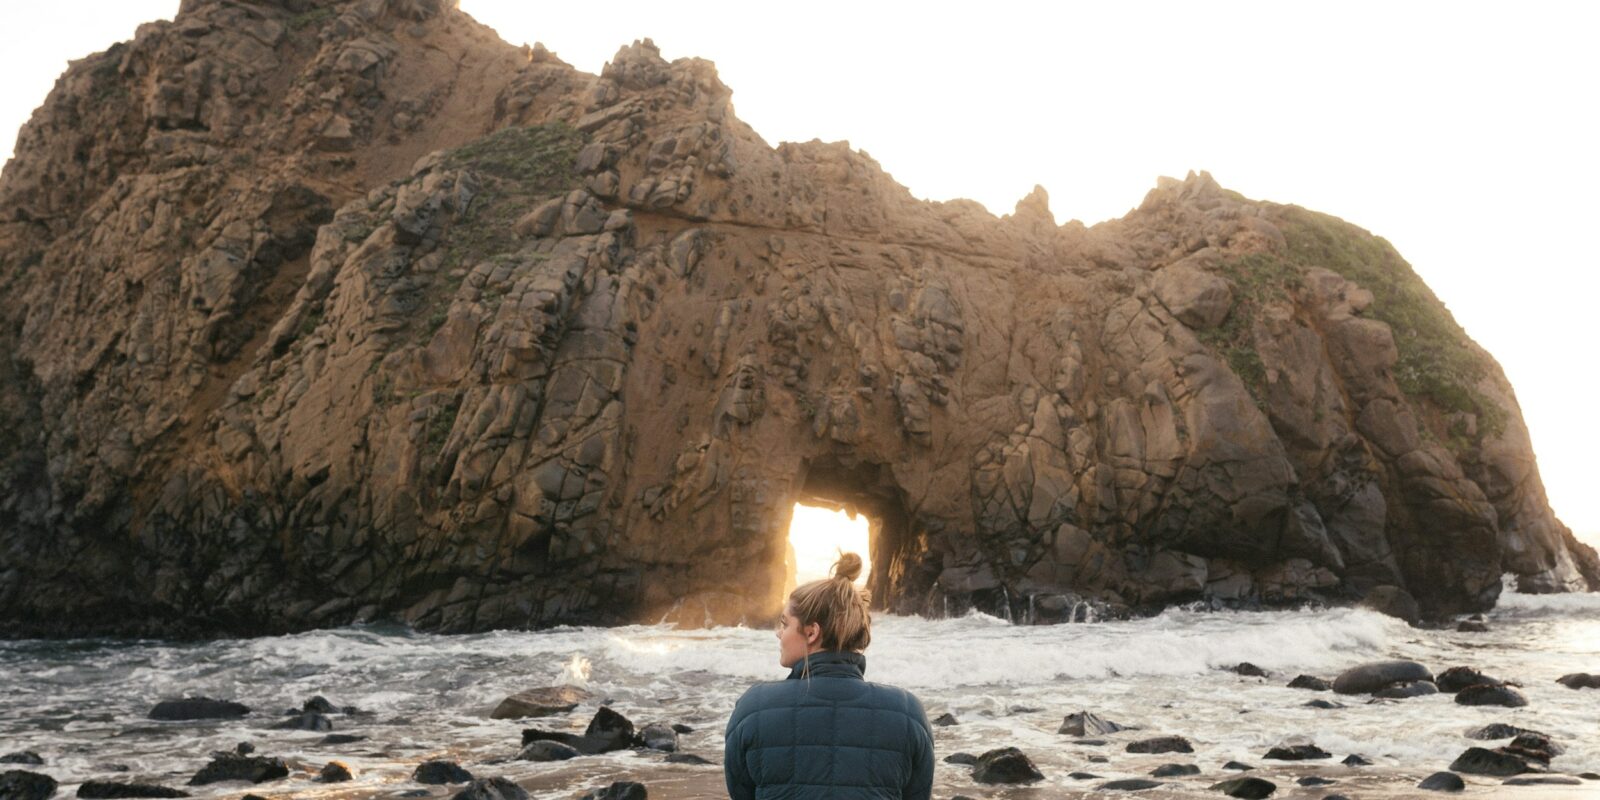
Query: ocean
(82,705)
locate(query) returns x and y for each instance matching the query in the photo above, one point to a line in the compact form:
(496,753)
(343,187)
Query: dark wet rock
(1482,761)
(1472,626)
(1534,746)
(1404,689)
(1099,760)
(685,758)
(659,736)
(28,757)
(1498,730)
(541,702)
(1249,670)
(106,790)
(491,789)
(1023,710)
(305,721)
(1323,704)
(1354,760)
(334,772)
(945,720)
(1393,601)
(1314,780)
(1542,780)
(319,704)
(341,738)
(1087,723)
(244,748)
(1174,770)
(546,750)
(1443,782)
(1089,742)
(407,793)
(190,708)
(1128,785)
(1083,776)
(961,758)
(1311,682)
(682,728)
(611,728)
(1161,744)
(1370,677)
(1297,752)
(621,790)
(18,784)
(438,772)
(252,797)
(1590,776)
(1250,788)
(1455,679)
(1005,765)
(1335,797)
(1491,696)
(1579,680)
(1237,765)
(232,767)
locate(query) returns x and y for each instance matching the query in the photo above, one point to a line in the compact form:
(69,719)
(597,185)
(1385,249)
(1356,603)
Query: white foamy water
(82,705)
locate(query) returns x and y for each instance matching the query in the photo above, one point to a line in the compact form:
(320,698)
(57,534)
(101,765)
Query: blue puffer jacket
(828,735)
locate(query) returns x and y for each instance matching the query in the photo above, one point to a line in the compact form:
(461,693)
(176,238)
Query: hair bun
(848,567)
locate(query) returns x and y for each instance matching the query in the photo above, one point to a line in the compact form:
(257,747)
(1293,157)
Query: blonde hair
(837,606)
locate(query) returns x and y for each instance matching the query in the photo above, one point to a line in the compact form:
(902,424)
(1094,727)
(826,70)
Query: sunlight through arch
(816,537)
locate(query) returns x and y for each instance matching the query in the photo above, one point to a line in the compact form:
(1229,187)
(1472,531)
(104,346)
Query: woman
(826,733)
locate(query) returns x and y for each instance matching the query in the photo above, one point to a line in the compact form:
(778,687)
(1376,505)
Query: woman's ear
(813,633)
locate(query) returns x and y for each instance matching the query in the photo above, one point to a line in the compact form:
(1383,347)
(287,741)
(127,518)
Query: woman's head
(827,614)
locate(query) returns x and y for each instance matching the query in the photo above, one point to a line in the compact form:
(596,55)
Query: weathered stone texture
(327,311)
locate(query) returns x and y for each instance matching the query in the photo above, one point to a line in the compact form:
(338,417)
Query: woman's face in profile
(793,643)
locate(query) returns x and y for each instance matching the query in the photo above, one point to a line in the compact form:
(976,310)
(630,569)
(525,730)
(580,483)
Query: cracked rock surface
(317,312)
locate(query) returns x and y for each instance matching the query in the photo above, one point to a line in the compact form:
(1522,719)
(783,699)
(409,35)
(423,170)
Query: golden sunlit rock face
(816,538)
(358,313)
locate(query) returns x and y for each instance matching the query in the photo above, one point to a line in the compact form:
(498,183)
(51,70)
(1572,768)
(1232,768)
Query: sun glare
(816,537)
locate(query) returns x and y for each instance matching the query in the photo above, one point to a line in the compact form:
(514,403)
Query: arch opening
(817,535)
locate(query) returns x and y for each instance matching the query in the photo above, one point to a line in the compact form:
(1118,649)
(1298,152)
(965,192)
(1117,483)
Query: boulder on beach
(1354,760)
(547,750)
(439,772)
(610,728)
(1498,730)
(1443,782)
(1472,626)
(1370,677)
(1405,689)
(1005,765)
(334,772)
(1314,780)
(1485,695)
(620,790)
(542,702)
(319,704)
(1237,765)
(1534,746)
(1483,761)
(1323,704)
(1087,723)
(1579,680)
(1542,780)
(1248,788)
(19,784)
(192,708)
(1310,682)
(23,757)
(108,790)
(659,736)
(1248,670)
(1083,776)
(686,758)
(1455,679)
(682,728)
(1161,744)
(233,767)
(961,758)
(1174,770)
(945,720)
(340,738)
(305,721)
(491,789)
(1128,785)
(1297,752)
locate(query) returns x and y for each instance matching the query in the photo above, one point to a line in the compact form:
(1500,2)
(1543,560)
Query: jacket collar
(831,664)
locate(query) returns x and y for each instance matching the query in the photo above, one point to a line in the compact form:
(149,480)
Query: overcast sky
(1464,133)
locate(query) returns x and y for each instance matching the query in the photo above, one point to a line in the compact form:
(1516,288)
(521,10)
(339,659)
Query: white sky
(1462,132)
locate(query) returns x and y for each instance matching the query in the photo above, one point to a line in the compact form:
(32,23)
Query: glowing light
(818,535)
(576,672)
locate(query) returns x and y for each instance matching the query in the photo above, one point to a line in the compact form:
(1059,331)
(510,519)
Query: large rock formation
(326,311)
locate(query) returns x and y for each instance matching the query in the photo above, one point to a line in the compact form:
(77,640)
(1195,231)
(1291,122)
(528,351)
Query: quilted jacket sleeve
(920,785)
(734,772)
